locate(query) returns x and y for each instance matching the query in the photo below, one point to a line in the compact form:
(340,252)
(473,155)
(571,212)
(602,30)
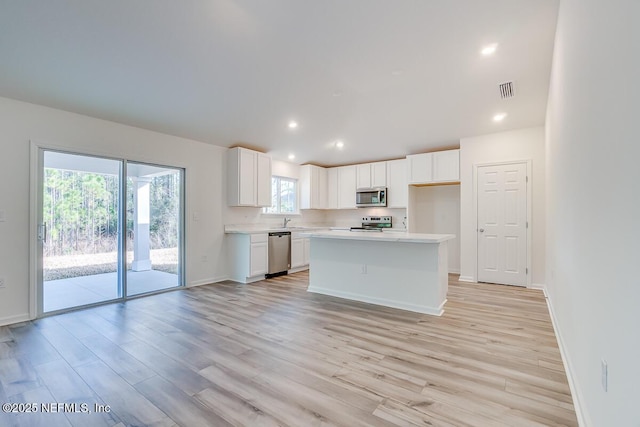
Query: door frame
(529,185)
(36,161)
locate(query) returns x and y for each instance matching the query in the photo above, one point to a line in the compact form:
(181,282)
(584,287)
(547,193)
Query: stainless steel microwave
(371,197)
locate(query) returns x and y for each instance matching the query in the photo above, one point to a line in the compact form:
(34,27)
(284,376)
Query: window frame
(276,180)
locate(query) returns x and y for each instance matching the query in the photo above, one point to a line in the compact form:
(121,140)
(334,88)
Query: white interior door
(502,224)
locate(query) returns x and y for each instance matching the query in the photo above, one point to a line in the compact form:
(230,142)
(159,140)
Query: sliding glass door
(107,229)
(154,218)
(79,230)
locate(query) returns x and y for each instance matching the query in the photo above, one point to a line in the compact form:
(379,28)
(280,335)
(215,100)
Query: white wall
(285,169)
(525,144)
(436,209)
(21,122)
(593,212)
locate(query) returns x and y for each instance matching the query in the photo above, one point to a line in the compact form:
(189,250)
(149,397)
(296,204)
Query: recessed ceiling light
(489,49)
(396,73)
(337,93)
(339,144)
(292,156)
(293,125)
(499,117)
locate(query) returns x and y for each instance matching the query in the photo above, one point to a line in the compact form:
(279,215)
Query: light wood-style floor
(270,353)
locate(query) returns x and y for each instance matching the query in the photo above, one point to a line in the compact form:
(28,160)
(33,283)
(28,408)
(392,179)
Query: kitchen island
(403,270)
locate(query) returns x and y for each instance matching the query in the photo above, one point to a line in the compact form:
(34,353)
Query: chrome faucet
(286,221)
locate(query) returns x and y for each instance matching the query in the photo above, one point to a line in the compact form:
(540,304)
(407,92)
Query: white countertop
(385,236)
(261,229)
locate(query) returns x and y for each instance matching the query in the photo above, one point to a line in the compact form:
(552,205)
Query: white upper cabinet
(263,180)
(446,166)
(432,168)
(346,187)
(248,178)
(363,175)
(379,174)
(370,175)
(420,168)
(397,185)
(313,187)
(332,188)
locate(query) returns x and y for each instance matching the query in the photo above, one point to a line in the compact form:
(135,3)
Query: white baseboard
(466,279)
(434,311)
(581,415)
(247,280)
(10,320)
(540,286)
(207,281)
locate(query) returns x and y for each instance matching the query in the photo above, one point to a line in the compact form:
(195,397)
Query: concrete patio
(83,290)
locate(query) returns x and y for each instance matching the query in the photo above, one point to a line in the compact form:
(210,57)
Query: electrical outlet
(204,258)
(196,216)
(605,375)
(3,215)
(1,282)
(364,268)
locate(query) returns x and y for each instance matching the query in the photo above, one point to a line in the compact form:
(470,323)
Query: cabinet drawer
(259,238)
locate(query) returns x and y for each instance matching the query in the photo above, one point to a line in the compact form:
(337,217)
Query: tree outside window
(284,196)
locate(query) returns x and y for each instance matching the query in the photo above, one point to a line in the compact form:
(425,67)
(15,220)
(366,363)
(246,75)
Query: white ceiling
(408,73)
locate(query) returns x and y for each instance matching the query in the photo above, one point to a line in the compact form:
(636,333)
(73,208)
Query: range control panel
(376,221)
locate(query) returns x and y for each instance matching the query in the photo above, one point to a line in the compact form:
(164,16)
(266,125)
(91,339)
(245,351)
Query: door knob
(481,230)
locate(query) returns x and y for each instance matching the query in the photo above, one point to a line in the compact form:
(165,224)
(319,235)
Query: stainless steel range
(374,223)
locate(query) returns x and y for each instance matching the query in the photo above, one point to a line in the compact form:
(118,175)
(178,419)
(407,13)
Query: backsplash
(253,216)
(353,217)
(312,217)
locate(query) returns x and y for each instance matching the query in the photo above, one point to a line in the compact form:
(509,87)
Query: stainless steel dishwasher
(279,253)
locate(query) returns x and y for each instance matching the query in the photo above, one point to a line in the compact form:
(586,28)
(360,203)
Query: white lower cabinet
(307,249)
(259,257)
(299,251)
(248,256)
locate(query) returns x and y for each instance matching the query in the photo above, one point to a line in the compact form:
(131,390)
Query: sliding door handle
(42,232)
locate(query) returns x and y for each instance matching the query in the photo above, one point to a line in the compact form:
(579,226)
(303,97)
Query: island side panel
(409,276)
(443,270)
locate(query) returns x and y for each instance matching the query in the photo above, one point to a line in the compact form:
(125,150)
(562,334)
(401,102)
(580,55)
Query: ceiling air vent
(506,90)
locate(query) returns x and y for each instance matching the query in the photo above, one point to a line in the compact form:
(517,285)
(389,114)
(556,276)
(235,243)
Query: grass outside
(68,266)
